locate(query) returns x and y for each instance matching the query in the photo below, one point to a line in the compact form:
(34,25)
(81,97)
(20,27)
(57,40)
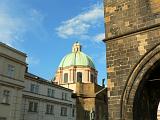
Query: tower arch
(135,83)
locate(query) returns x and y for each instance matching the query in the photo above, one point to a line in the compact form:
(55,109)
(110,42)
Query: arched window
(79,77)
(65,77)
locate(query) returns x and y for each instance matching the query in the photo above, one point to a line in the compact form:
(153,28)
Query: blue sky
(46,30)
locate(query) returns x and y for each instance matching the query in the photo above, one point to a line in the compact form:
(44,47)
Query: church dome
(77,58)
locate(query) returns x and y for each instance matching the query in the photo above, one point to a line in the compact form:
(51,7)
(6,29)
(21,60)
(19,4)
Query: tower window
(65,77)
(79,77)
(92,78)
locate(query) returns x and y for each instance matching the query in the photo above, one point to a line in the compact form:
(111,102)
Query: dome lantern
(76,47)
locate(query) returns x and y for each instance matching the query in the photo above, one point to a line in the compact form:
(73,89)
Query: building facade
(77,72)
(25,96)
(133,55)
(43,100)
(12,70)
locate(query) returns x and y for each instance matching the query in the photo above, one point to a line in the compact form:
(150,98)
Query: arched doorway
(147,96)
(141,95)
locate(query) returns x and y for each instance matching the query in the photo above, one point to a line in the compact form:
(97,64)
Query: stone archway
(139,95)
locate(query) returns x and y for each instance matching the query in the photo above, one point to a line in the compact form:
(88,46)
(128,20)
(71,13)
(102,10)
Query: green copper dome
(77,58)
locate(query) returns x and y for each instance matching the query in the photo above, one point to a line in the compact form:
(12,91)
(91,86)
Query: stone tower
(133,55)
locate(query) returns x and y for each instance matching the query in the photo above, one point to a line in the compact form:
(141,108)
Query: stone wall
(132,30)
(128,16)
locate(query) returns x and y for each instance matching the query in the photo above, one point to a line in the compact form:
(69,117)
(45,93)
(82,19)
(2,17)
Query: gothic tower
(133,55)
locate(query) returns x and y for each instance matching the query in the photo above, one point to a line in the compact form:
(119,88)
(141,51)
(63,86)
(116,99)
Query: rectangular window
(63,111)
(73,112)
(11,71)
(49,109)
(64,96)
(34,88)
(5,98)
(3,118)
(79,77)
(92,78)
(65,77)
(51,92)
(33,107)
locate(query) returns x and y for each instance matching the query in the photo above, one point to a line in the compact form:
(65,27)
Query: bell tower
(132,30)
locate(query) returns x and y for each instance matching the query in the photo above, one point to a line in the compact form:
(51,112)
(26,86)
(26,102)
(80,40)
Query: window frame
(51,93)
(11,71)
(92,78)
(63,111)
(5,97)
(34,88)
(64,96)
(73,112)
(3,118)
(79,77)
(65,79)
(50,109)
(33,106)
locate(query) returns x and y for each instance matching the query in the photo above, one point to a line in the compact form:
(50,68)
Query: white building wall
(10,109)
(42,99)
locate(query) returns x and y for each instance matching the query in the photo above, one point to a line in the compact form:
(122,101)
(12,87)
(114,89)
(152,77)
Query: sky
(46,29)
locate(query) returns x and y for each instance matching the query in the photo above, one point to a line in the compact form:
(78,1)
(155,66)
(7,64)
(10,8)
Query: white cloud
(82,23)
(10,28)
(32,61)
(15,21)
(99,37)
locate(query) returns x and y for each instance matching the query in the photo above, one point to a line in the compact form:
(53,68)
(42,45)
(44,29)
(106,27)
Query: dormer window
(65,77)
(79,77)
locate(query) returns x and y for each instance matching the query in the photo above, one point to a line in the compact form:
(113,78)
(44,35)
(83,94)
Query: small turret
(76,47)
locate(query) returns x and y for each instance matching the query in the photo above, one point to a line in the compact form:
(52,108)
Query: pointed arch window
(65,77)
(79,77)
